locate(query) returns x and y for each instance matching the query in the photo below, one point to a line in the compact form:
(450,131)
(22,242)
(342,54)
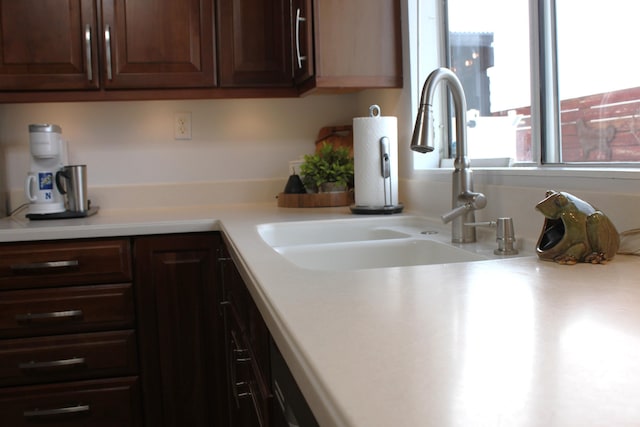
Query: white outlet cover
(182,125)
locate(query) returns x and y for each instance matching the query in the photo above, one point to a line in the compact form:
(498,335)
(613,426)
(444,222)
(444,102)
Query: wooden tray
(318,200)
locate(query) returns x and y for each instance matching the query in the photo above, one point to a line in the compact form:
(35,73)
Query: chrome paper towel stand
(385,171)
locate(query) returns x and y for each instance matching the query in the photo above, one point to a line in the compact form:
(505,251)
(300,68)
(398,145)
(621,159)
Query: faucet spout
(464,200)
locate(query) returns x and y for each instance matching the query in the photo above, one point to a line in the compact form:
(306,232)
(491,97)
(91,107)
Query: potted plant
(330,169)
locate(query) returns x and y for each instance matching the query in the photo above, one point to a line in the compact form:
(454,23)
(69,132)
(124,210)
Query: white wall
(132,143)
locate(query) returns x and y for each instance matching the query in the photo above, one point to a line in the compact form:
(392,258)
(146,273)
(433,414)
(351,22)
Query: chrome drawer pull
(70,363)
(34,413)
(87,40)
(242,355)
(45,265)
(55,315)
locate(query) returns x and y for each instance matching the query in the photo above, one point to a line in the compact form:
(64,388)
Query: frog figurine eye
(561,201)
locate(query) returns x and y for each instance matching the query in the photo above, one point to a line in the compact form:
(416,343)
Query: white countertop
(513,342)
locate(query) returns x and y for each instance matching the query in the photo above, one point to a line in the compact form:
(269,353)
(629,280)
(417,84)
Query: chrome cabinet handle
(242,394)
(69,363)
(237,356)
(107,42)
(45,265)
(299,19)
(250,393)
(87,41)
(36,413)
(241,355)
(54,315)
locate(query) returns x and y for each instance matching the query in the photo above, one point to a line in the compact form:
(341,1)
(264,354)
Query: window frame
(545,100)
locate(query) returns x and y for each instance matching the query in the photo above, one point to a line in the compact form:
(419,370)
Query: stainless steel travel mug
(75,187)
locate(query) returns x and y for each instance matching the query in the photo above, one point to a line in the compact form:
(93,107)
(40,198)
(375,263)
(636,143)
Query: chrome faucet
(464,200)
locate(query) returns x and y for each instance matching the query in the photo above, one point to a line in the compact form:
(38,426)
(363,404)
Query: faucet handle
(505,235)
(471,201)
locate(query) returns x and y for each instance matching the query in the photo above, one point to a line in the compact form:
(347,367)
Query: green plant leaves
(329,164)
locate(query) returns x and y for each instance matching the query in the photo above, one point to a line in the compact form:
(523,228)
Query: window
(585,83)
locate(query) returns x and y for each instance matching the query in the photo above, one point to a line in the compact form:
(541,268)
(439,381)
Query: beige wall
(130,143)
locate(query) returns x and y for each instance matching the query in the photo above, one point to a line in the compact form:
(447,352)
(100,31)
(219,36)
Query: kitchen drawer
(67,357)
(37,312)
(249,393)
(61,263)
(95,403)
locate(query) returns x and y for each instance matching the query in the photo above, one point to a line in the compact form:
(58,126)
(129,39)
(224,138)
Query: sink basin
(379,254)
(363,243)
(339,230)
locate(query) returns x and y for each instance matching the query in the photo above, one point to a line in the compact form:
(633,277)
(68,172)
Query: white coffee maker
(48,156)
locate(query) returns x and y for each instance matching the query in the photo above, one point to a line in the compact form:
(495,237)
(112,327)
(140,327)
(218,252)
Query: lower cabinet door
(177,329)
(95,403)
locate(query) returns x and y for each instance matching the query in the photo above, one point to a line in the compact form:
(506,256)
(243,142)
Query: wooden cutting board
(338,136)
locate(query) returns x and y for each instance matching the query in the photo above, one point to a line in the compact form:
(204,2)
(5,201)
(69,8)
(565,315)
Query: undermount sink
(363,243)
(381,254)
(332,231)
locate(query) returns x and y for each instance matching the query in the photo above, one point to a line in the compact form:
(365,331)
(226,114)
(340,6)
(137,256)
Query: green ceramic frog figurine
(574,231)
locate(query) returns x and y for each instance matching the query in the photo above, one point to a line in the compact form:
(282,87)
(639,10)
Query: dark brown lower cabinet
(176,300)
(183,345)
(68,344)
(246,351)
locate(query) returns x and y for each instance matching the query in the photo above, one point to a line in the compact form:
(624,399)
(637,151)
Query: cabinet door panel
(177,329)
(357,45)
(44,45)
(158,43)
(255,47)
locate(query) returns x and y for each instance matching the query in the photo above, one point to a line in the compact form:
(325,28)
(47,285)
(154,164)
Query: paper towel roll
(371,189)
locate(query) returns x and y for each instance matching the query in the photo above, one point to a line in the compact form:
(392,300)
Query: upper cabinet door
(357,45)
(254,43)
(48,45)
(158,44)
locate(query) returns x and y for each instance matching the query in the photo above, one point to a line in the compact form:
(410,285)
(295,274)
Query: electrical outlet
(182,126)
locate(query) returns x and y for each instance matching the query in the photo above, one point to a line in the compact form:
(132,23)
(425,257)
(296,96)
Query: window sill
(620,180)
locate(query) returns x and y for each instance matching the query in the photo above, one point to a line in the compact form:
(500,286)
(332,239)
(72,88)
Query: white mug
(40,189)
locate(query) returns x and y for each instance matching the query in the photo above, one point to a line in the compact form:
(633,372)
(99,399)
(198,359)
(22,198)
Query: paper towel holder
(385,172)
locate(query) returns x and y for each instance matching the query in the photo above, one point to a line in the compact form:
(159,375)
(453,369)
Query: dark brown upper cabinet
(59,45)
(254,46)
(92,50)
(158,44)
(48,45)
(347,45)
